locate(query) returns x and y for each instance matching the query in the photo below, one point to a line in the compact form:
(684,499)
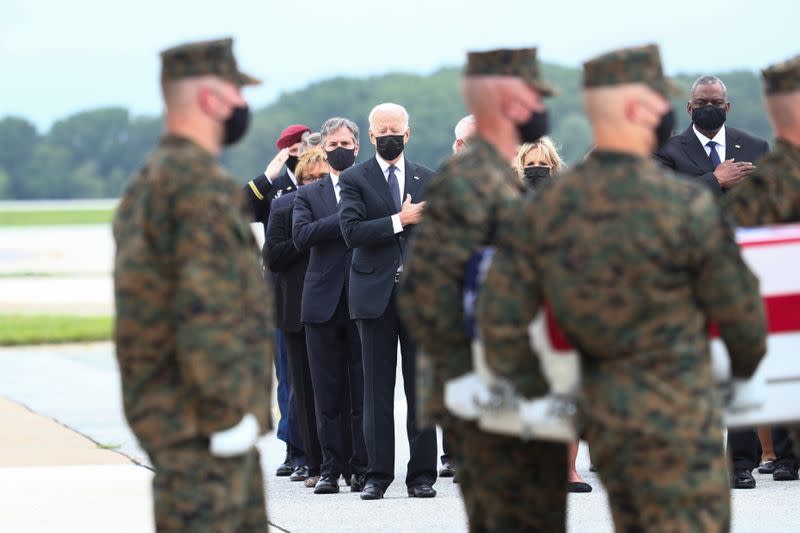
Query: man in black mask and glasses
(381,202)
(716,154)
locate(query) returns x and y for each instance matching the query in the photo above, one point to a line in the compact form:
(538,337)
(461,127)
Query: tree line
(93,154)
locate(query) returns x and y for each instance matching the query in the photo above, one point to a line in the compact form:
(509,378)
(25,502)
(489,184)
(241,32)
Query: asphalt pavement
(78,386)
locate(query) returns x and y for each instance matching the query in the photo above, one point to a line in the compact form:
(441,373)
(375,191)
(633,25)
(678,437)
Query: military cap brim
(518,63)
(204,58)
(640,64)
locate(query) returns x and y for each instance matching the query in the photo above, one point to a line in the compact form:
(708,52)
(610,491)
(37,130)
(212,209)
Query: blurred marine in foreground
(633,264)
(193,319)
(503,89)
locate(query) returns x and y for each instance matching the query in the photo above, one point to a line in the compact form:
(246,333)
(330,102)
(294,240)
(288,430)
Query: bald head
(784,113)
(625,116)
(463,131)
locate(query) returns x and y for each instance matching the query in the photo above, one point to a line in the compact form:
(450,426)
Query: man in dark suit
(376,224)
(720,157)
(716,154)
(334,349)
(260,192)
(288,266)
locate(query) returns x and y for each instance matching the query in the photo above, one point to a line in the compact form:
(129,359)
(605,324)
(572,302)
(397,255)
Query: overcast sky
(60,57)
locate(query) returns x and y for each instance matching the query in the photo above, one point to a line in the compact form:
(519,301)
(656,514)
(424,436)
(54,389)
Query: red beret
(292,134)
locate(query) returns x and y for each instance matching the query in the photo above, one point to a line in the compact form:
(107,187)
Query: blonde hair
(309,159)
(549,154)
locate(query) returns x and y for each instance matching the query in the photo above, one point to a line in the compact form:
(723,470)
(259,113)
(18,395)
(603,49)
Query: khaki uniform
(193,336)
(633,263)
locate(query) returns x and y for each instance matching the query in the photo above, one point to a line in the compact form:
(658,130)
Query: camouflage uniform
(633,263)
(192,325)
(461,213)
(771,195)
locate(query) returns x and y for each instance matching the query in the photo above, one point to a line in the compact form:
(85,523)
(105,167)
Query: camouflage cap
(519,63)
(641,64)
(783,77)
(203,58)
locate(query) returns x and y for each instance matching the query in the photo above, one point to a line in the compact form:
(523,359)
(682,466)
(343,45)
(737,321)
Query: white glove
(464,396)
(550,418)
(748,394)
(237,440)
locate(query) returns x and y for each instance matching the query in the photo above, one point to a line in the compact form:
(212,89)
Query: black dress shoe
(767,467)
(422,490)
(372,492)
(286,467)
(327,485)
(447,470)
(743,479)
(300,474)
(579,486)
(357,482)
(785,473)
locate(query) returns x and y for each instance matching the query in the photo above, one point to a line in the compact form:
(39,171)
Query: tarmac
(68,462)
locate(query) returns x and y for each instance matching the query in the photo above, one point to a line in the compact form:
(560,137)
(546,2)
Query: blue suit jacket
(365,212)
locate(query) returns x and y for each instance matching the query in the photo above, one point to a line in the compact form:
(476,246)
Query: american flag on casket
(773,253)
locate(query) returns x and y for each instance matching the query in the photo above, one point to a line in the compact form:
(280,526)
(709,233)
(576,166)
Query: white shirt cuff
(398,227)
(268,178)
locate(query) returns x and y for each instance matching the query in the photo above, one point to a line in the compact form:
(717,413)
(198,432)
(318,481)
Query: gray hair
(335,123)
(708,80)
(389,108)
(309,140)
(463,124)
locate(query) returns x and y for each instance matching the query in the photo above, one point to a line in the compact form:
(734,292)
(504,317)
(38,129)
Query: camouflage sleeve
(763,199)
(508,301)
(431,298)
(725,286)
(210,240)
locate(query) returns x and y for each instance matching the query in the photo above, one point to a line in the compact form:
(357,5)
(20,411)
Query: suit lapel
(695,150)
(412,181)
(377,181)
(731,142)
(328,195)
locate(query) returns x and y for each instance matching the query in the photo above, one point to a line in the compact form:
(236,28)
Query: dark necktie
(394,187)
(713,155)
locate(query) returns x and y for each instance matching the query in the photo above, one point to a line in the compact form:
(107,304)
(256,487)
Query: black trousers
(445,449)
(379,338)
(334,352)
(745,448)
(303,392)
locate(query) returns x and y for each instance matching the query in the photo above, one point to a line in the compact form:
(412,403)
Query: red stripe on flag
(783,316)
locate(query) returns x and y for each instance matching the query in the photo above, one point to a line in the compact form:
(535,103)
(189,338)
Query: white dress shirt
(400,174)
(335,181)
(719,138)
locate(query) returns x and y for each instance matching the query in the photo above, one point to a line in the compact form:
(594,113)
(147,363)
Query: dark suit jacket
(315,228)
(365,212)
(286,262)
(684,154)
(260,193)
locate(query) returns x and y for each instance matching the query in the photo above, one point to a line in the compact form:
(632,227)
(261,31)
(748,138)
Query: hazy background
(61,60)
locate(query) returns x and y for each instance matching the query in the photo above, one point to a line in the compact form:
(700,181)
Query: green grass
(17,329)
(55,217)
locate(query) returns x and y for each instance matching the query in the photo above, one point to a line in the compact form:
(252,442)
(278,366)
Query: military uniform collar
(786,146)
(614,156)
(173,140)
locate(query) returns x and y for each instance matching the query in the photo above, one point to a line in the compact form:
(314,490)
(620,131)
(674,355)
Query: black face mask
(291,162)
(534,128)
(536,176)
(341,158)
(709,118)
(236,125)
(664,128)
(389,146)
